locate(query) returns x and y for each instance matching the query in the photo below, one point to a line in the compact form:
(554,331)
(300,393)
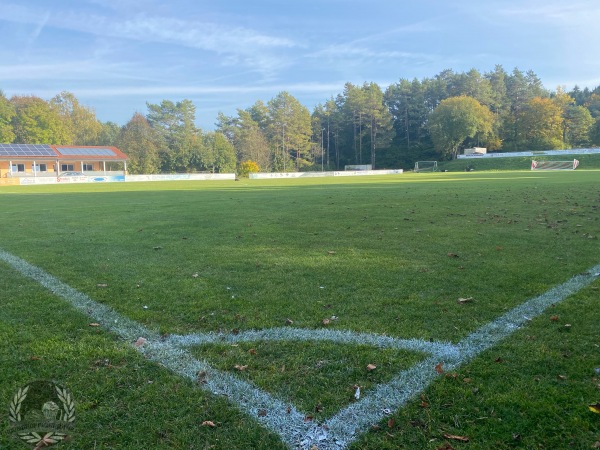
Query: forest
(428,119)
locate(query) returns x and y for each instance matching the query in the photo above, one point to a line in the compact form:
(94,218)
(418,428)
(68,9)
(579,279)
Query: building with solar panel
(19,161)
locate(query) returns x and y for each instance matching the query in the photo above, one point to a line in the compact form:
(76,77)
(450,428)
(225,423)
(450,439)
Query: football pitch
(408,311)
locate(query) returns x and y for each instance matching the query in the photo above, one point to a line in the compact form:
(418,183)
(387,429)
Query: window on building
(88,167)
(66,167)
(18,167)
(39,167)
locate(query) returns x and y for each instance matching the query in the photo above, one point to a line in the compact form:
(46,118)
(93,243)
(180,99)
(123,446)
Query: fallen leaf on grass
(554,318)
(371,367)
(262,412)
(331,252)
(94,324)
(456,438)
(195,275)
(595,408)
(391,423)
(240,368)
(208,423)
(289,322)
(446,446)
(201,376)
(141,341)
(252,351)
(326,322)
(356,392)
(102,285)
(439,367)
(463,300)
(157,248)
(561,377)
(452,255)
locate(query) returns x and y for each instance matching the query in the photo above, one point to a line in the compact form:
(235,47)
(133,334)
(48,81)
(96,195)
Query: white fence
(577,151)
(345,173)
(181,177)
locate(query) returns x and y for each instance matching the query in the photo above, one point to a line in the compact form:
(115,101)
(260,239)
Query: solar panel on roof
(72,151)
(26,150)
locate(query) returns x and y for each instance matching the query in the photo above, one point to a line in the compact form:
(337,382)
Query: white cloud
(210,89)
(557,13)
(241,44)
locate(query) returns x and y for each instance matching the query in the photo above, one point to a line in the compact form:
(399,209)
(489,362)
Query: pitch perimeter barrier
(181,176)
(577,151)
(345,173)
(116,178)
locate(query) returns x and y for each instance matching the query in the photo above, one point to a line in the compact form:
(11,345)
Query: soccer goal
(554,165)
(426,166)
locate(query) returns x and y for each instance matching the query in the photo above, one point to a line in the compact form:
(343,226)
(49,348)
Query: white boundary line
(285,420)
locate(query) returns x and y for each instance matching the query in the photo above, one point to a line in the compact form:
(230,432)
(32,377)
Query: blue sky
(117,55)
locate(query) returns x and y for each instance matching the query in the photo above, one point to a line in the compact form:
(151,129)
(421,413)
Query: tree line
(432,118)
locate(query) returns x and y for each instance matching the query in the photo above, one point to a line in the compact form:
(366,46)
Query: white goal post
(554,165)
(426,166)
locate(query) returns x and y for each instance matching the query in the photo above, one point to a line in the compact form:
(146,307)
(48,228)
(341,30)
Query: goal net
(426,166)
(554,165)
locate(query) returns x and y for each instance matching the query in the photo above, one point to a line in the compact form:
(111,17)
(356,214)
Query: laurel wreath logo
(68,412)
(40,441)
(14,412)
(43,439)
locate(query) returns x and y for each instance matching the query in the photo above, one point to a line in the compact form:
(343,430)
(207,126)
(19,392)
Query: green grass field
(383,255)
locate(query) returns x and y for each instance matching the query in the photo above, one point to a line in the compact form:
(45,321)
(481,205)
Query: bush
(247,167)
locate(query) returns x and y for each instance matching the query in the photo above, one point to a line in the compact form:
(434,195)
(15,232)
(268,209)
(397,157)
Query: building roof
(61,152)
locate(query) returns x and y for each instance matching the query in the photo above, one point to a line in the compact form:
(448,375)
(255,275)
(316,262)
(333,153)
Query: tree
(593,105)
(174,122)
(406,101)
(81,122)
(219,153)
(578,124)
(473,84)
(36,122)
(290,121)
(595,133)
(500,101)
(142,144)
(109,134)
(456,119)
(7,112)
(520,89)
(247,137)
(540,125)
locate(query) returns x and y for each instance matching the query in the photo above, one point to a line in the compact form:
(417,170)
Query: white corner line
(284,334)
(278,416)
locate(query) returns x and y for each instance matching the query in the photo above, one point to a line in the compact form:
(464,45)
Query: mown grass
(522,163)
(385,255)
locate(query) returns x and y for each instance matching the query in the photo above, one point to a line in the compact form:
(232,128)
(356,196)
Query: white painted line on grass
(303,334)
(344,427)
